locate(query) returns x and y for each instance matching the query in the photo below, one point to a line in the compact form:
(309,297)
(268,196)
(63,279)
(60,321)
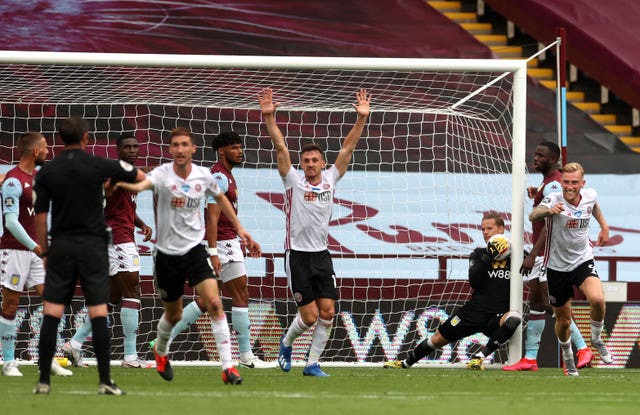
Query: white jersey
(179,207)
(308,209)
(568,243)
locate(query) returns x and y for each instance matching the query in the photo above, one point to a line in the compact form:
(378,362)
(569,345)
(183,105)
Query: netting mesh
(406,215)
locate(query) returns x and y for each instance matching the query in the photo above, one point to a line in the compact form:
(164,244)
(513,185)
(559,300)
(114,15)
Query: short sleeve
(11,192)
(551,187)
(290,179)
(550,200)
(223,183)
(41,196)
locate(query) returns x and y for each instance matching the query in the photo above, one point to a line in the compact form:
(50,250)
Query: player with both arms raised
(488,309)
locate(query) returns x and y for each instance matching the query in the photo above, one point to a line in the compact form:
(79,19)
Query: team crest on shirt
(297,297)
(198,187)
(455,321)
(15,279)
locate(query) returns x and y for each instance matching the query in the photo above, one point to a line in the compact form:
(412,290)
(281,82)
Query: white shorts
(21,269)
(538,272)
(123,258)
(231,259)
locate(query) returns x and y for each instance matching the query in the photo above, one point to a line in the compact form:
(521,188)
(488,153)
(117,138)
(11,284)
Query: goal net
(444,145)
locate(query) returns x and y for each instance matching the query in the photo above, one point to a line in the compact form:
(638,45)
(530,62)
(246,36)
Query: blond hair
(572,168)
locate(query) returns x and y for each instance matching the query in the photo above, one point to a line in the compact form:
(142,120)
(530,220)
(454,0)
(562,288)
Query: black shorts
(172,271)
(467,320)
(77,257)
(561,283)
(310,276)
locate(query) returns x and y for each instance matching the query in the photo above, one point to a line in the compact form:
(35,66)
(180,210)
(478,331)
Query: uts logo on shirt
(317,197)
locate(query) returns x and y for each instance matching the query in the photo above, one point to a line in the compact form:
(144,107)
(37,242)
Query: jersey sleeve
(334,174)
(119,170)
(223,183)
(550,200)
(290,179)
(212,189)
(551,187)
(11,192)
(479,266)
(156,176)
(41,194)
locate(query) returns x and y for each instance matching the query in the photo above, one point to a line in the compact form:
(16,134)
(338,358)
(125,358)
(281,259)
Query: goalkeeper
(488,309)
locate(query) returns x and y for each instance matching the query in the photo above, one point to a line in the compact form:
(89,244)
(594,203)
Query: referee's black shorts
(77,257)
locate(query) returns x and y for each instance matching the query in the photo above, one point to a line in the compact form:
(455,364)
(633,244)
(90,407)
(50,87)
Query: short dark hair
(495,216)
(27,141)
(225,138)
(181,131)
(72,129)
(553,148)
(124,136)
(312,147)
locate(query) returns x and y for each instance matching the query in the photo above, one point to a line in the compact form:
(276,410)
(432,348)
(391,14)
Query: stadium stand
(390,29)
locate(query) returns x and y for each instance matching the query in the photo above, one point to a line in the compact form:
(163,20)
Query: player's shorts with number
(538,272)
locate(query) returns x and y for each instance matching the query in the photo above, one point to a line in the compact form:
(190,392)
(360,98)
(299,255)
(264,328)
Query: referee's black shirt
(72,184)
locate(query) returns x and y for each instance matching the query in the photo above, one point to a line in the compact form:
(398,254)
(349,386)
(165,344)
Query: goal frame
(517,67)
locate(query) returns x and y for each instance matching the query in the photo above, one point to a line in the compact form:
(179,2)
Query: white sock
(567,353)
(220,329)
(296,328)
(163,332)
(596,331)
(319,339)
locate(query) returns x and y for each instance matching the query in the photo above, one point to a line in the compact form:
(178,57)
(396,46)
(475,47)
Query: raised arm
(603,235)
(268,108)
(351,140)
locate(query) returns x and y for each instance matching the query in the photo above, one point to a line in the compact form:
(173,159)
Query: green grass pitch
(348,391)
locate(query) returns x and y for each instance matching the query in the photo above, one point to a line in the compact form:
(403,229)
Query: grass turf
(348,390)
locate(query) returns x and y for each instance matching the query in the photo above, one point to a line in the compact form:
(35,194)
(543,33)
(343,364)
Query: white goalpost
(445,143)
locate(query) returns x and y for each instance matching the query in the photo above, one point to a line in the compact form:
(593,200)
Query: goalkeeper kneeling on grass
(488,309)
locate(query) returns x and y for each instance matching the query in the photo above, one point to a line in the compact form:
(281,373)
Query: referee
(71,188)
